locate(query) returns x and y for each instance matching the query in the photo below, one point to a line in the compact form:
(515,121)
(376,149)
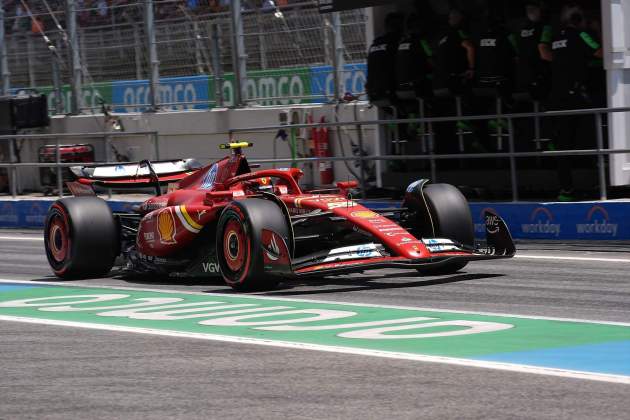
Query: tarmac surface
(63,372)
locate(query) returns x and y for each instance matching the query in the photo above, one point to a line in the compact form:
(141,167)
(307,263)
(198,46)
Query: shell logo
(166,227)
(365,214)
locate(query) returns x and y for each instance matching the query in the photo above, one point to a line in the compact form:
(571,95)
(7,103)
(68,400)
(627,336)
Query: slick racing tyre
(81,237)
(239,242)
(451,219)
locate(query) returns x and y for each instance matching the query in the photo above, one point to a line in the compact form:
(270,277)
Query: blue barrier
(609,220)
(323,85)
(30,214)
(185,90)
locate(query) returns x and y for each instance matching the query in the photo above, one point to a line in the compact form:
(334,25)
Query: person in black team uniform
(381,77)
(533,44)
(495,57)
(573,49)
(455,54)
(414,59)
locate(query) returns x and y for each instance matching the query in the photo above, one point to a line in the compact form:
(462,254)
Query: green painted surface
(521,334)
(92,95)
(270,87)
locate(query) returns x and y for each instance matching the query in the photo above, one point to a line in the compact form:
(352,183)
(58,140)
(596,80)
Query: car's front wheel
(446,215)
(239,242)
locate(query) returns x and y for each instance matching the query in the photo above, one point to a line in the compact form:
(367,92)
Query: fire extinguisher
(321,140)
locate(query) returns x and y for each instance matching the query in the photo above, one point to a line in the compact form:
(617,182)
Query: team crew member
(495,54)
(573,50)
(381,80)
(455,53)
(414,59)
(533,43)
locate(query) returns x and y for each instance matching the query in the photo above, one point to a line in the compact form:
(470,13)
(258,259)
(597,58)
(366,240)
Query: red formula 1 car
(257,228)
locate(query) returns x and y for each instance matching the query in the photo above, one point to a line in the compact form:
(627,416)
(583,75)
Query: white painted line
(559,258)
(510,367)
(21,238)
(326,302)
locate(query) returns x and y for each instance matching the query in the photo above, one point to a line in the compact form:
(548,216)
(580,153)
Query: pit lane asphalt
(62,372)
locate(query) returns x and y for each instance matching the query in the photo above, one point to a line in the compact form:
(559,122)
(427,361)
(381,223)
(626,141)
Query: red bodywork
(171,222)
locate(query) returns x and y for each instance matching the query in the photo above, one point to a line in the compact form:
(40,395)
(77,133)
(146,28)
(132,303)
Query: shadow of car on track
(374,282)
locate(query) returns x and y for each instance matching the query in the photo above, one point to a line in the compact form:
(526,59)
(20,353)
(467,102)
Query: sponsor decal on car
(210,267)
(273,250)
(597,223)
(364,214)
(413,186)
(492,223)
(154,204)
(440,245)
(149,236)
(481,227)
(166,227)
(341,204)
(208,180)
(298,201)
(352,253)
(186,220)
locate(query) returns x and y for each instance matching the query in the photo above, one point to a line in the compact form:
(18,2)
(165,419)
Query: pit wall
(197,134)
(591,221)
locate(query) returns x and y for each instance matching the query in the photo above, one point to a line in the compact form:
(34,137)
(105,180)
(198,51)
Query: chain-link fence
(289,46)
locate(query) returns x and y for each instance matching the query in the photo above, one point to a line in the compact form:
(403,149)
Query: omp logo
(481,226)
(600,226)
(541,222)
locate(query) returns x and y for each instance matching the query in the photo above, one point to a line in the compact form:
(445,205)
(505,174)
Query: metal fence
(107,139)
(599,152)
(114,42)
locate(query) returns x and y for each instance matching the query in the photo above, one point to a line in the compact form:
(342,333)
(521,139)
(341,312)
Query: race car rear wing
(135,175)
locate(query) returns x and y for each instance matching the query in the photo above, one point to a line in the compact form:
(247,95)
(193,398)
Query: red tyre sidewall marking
(60,221)
(234,231)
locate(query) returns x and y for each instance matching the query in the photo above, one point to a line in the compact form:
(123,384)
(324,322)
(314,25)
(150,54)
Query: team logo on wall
(166,227)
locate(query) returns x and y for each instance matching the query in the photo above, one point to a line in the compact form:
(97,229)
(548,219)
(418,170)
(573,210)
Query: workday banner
(560,221)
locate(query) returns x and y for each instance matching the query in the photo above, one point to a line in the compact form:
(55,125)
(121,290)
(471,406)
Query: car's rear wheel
(449,216)
(81,237)
(239,242)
